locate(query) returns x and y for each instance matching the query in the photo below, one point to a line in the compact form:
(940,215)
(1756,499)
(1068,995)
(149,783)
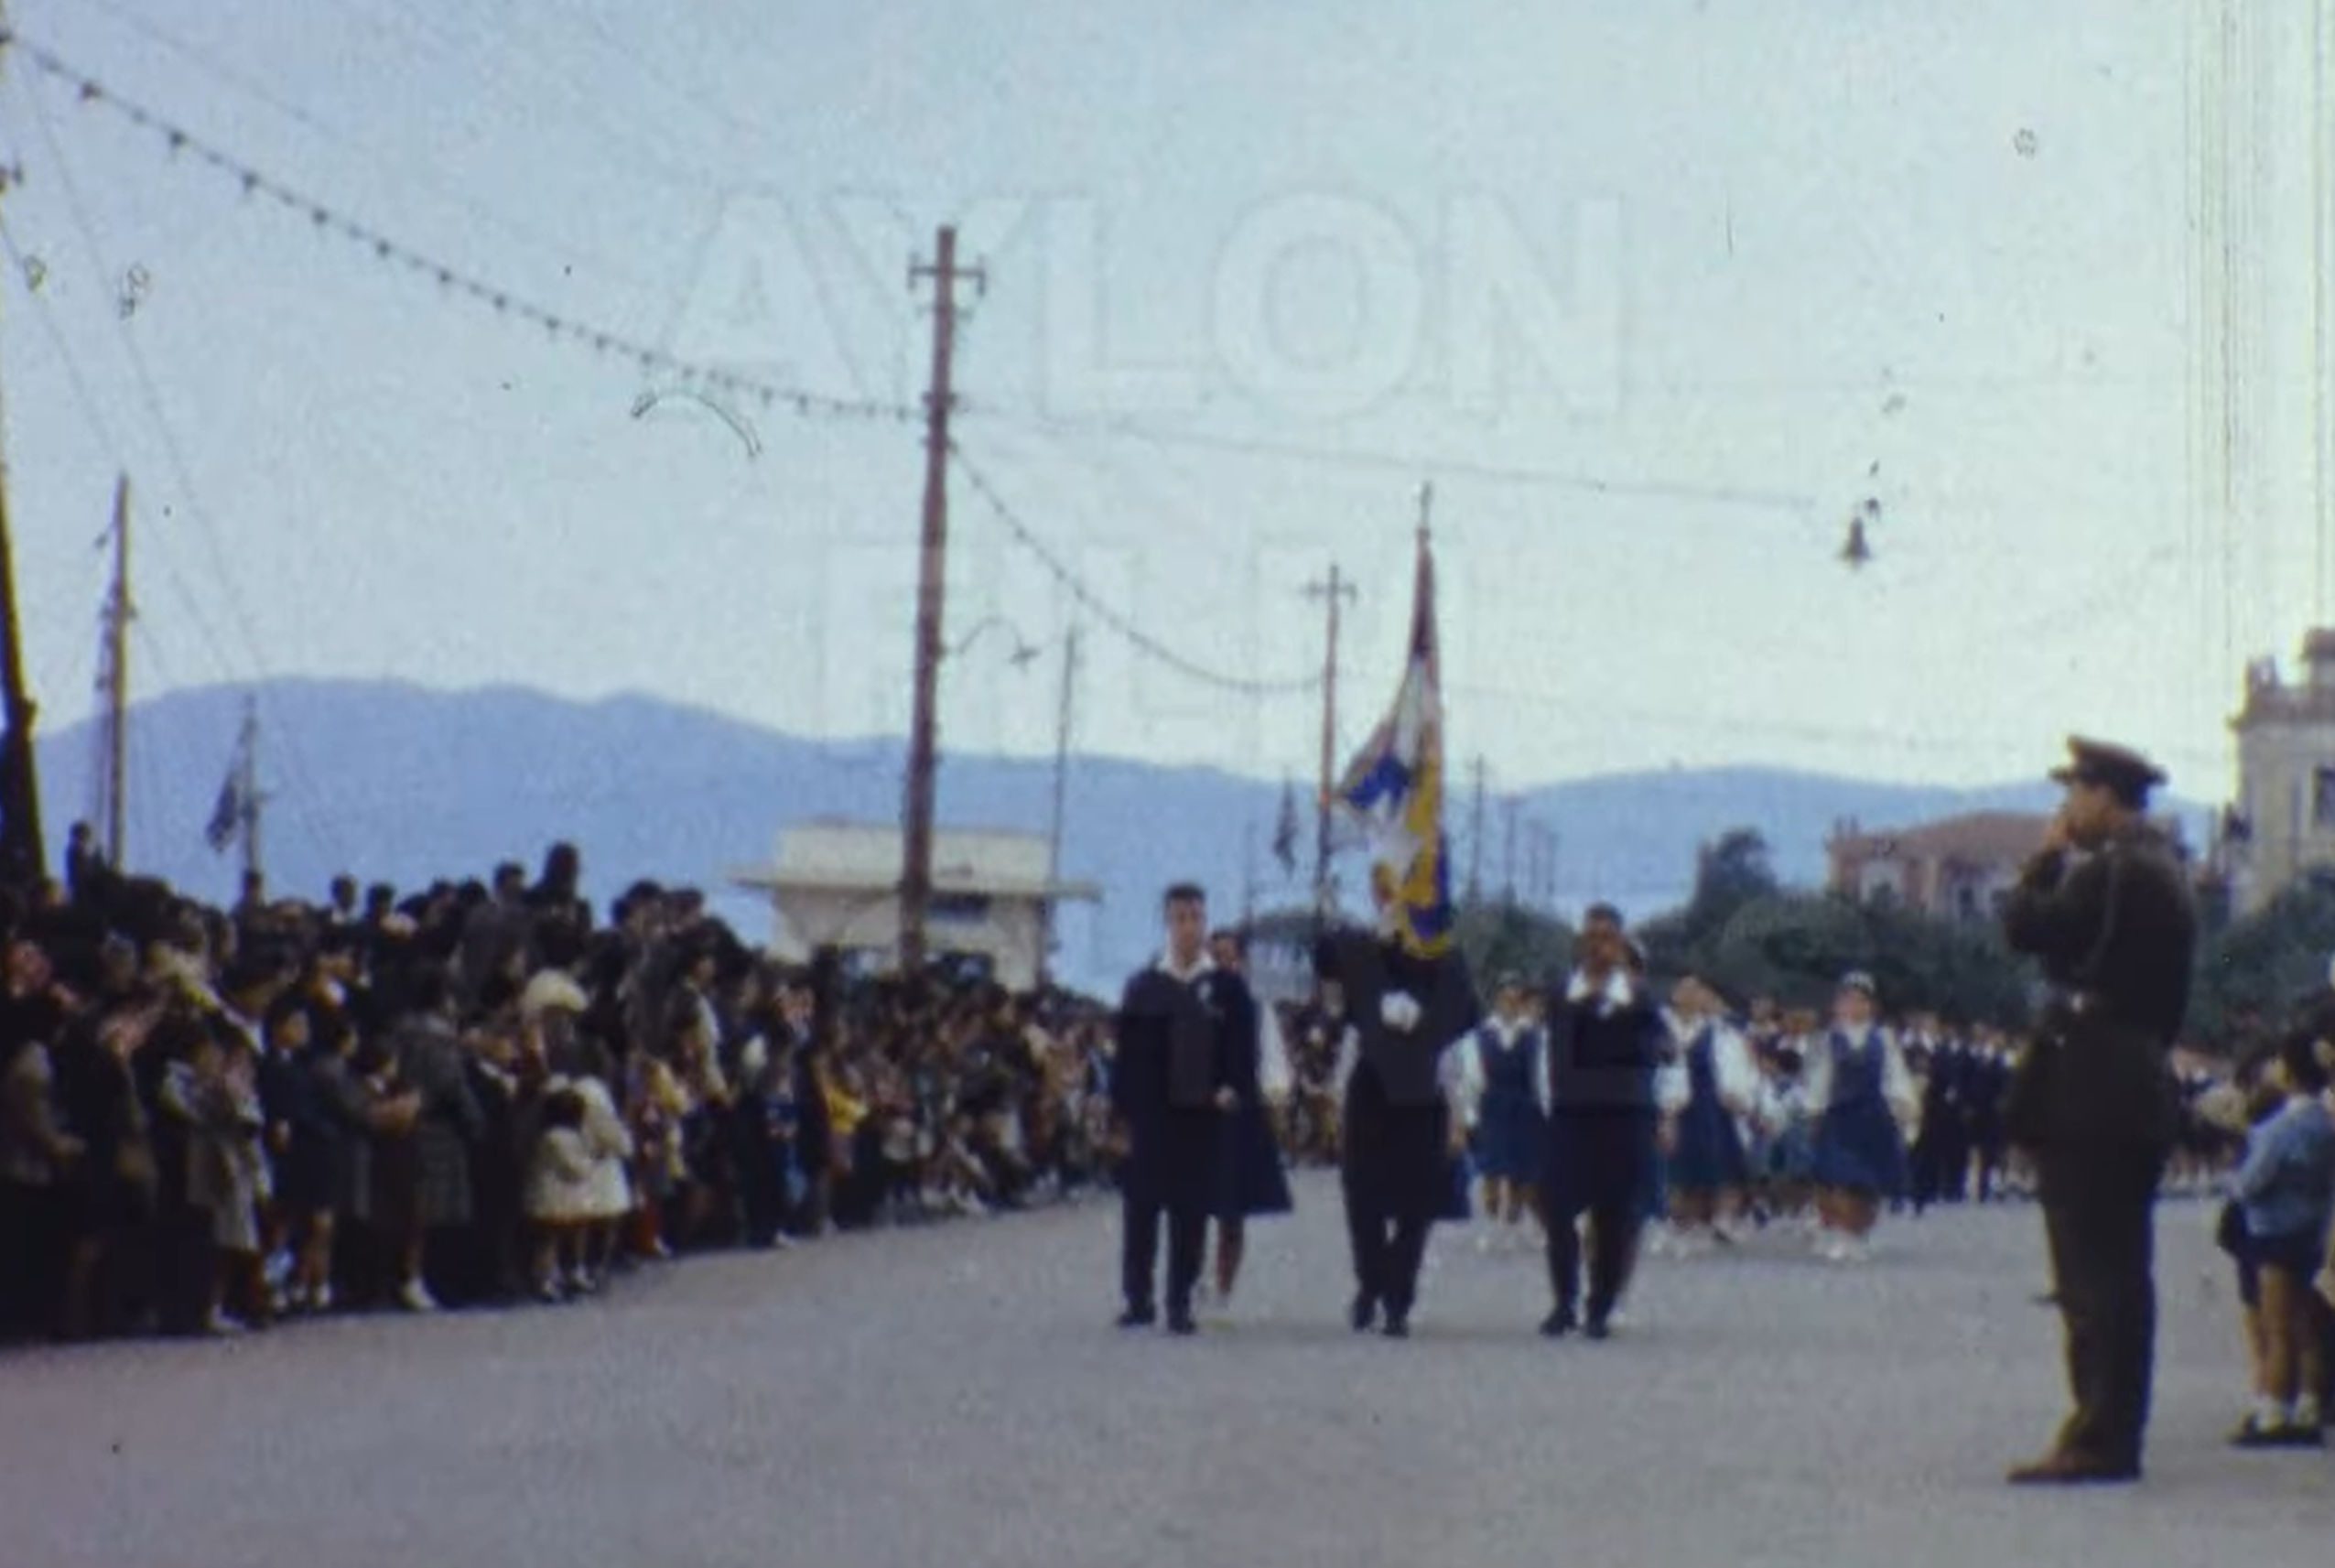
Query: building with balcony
(1957,868)
(2283,822)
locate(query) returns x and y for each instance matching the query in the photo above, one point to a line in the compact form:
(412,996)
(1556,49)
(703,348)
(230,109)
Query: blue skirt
(1860,1149)
(1511,1140)
(1255,1182)
(1710,1154)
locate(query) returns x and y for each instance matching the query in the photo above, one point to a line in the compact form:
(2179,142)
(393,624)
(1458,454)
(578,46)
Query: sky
(1654,293)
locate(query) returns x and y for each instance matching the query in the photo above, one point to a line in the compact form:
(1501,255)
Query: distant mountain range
(404,784)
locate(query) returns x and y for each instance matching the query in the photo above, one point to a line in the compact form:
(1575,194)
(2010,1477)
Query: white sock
(2307,1410)
(2270,1414)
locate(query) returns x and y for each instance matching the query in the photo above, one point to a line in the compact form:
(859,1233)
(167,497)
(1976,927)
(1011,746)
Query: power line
(1382,461)
(321,837)
(329,220)
(99,427)
(405,170)
(1078,589)
(436,25)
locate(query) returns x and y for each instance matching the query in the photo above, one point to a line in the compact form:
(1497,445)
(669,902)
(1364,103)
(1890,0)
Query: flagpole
(249,786)
(1248,875)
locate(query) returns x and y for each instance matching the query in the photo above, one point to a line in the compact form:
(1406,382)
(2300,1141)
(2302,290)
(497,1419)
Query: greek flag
(1394,787)
(228,811)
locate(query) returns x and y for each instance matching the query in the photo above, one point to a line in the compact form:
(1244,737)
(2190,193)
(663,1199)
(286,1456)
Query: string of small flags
(256,184)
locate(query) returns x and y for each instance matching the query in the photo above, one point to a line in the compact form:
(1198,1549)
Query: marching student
(1255,1182)
(1404,1010)
(1599,1090)
(1859,1091)
(1703,1096)
(1497,1063)
(1170,1087)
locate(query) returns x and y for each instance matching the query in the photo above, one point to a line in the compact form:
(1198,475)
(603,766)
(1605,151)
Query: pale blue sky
(1253,272)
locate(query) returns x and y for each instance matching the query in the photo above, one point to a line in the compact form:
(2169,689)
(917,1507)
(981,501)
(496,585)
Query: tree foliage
(1753,938)
(1499,937)
(2267,964)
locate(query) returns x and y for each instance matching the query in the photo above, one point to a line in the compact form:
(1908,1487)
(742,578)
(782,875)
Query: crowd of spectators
(477,1094)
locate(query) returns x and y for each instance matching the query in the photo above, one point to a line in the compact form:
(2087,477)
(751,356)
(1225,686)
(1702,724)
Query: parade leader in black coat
(2106,910)
(1183,1025)
(1598,1090)
(1404,1010)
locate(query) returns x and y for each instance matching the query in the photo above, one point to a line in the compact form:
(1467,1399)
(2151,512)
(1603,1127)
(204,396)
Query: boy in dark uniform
(1171,1087)
(1396,1146)
(1599,1093)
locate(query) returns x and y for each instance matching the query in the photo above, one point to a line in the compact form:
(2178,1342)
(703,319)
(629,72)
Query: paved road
(952,1396)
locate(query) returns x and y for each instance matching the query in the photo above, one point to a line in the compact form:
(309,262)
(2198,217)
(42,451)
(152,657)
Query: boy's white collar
(1616,992)
(1166,966)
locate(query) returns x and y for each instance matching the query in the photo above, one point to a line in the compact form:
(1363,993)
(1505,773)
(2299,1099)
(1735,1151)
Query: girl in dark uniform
(1497,1063)
(1860,1090)
(1254,1182)
(1711,1086)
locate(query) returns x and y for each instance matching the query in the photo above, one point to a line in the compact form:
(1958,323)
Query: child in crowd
(559,1191)
(608,1196)
(2284,1192)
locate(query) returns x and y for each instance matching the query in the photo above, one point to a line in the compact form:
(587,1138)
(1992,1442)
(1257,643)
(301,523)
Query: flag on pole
(227,813)
(1285,831)
(1395,787)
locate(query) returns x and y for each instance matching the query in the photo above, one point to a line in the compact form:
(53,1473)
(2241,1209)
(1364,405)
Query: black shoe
(1559,1324)
(1180,1321)
(1596,1328)
(1397,1326)
(1137,1317)
(1364,1313)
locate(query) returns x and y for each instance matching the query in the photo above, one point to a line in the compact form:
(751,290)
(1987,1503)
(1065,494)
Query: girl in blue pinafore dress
(1860,1091)
(1713,1085)
(1512,1133)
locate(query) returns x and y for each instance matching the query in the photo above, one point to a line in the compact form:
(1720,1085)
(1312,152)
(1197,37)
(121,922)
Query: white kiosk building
(836,883)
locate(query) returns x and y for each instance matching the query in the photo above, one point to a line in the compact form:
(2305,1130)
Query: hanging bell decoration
(1857,551)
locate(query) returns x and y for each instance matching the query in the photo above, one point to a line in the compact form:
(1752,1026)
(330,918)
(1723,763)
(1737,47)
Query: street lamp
(1024,650)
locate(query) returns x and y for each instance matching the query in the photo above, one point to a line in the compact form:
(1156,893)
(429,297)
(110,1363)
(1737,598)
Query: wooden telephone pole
(932,583)
(1476,833)
(1061,782)
(23,859)
(114,782)
(1333,591)
(1508,891)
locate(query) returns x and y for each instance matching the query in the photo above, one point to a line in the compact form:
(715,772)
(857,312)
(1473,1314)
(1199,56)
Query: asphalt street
(955,1395)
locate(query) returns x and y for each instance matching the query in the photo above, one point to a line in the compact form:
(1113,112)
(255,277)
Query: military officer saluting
(2105,909)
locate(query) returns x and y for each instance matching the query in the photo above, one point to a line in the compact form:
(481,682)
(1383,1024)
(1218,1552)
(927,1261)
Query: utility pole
(116,783)
(1476,834)
(1248,875)
(1507,810)
(23,861)
(932,575)
(1333,591)
(249,788)
(1061,775)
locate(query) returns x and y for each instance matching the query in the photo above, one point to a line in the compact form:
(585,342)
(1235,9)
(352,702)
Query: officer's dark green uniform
(2113,926)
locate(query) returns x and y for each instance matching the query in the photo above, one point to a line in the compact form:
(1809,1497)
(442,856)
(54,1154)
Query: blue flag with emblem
(1394,787)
